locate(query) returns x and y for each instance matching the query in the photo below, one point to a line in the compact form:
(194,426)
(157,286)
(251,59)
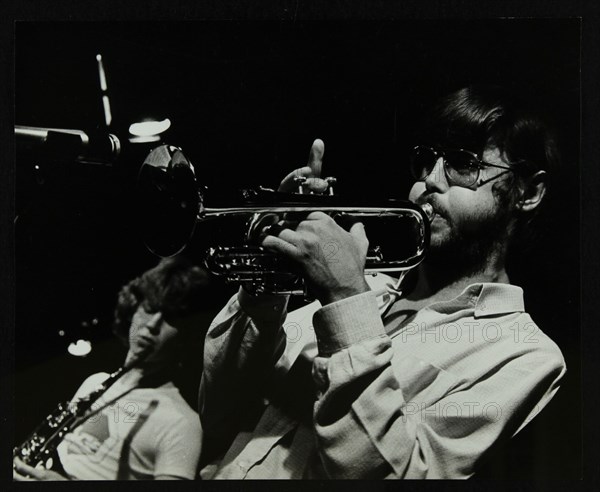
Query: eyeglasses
(461,167)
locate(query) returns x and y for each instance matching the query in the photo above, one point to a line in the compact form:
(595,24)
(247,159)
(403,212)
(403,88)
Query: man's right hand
(332,259)
(314,183)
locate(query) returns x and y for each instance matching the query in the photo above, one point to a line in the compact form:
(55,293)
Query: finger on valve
(307,178)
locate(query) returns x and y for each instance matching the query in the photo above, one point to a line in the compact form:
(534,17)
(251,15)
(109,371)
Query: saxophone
(39,449)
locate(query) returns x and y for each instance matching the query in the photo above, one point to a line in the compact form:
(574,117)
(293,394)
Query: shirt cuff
(263,307)
(343,323)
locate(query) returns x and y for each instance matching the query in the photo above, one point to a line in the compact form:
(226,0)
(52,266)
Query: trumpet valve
(330,182)
(300,182)
(428,209)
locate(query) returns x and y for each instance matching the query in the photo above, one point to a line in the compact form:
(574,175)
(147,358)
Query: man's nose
(153,324)
(436,180)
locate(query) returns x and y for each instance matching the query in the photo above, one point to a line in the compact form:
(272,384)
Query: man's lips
(145,342)
(435,207)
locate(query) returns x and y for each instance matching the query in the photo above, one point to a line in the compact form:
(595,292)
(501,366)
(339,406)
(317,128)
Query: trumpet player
(370,382)
(141,428)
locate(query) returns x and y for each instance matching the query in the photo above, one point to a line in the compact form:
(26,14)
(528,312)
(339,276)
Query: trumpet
(175,208)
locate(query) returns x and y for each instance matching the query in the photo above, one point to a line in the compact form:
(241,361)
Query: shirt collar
(496,298)
(486,299)
(385,290)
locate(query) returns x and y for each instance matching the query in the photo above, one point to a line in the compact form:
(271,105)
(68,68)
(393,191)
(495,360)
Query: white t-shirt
(166,441)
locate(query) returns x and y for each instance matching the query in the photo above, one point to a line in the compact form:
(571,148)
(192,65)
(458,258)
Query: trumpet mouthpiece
(428,209)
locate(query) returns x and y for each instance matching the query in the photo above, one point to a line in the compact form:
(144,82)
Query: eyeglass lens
(461,167)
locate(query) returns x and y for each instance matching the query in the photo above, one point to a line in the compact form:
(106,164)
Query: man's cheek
(416,190)
(475,220)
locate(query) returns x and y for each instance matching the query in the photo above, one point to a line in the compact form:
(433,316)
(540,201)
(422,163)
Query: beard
(465,249)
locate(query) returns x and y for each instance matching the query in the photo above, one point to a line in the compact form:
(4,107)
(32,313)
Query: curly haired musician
(142,428)
(365,383)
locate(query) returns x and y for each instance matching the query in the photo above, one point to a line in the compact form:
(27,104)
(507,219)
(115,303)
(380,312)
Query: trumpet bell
(168,200)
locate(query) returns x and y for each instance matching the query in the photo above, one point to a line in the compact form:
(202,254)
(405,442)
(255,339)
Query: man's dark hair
(477,117)
(175,287)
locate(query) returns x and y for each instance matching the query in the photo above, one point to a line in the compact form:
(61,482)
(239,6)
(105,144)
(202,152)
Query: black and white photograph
(298,249)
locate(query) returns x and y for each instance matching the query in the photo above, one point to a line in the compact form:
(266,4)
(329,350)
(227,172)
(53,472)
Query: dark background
(246,100)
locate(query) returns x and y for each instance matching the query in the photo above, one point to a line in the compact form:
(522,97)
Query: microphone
(68,145)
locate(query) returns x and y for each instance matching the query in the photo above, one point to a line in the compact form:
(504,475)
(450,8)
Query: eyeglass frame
(480,164)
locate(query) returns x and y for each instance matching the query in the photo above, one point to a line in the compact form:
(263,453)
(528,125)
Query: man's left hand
(332,259)
(26,473)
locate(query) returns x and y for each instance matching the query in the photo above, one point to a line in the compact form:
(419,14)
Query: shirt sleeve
(366,429)
(179,449)
(241,348)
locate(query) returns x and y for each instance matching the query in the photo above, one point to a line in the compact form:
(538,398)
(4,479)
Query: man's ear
(533,192)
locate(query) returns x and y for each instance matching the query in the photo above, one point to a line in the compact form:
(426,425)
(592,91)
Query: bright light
(151,138)
(101,73)
(148,128)
(107,113)
(80,349)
